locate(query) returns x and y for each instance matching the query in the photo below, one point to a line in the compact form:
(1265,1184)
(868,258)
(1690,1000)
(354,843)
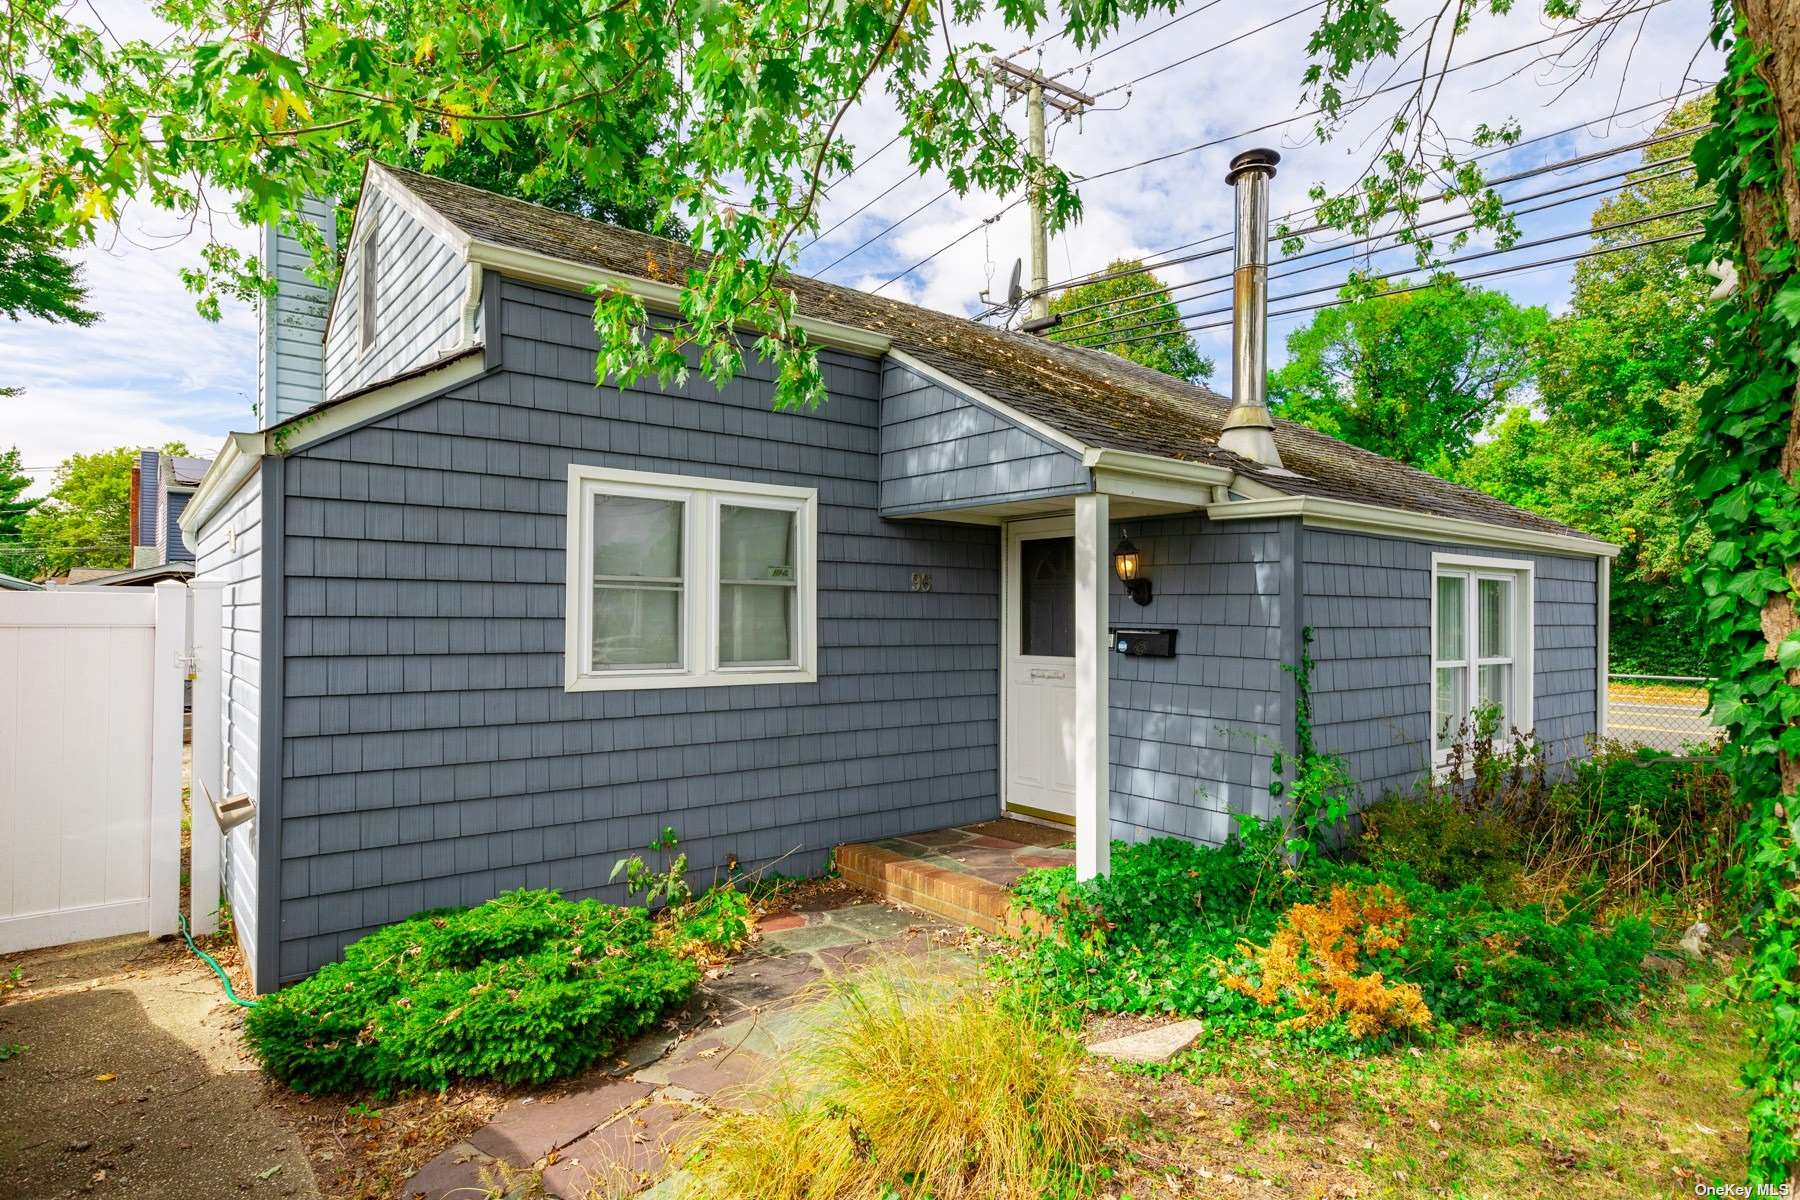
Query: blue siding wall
(430,753)
(1193,736)
(145,533)
(177,547)
(941,450)
(1369,599)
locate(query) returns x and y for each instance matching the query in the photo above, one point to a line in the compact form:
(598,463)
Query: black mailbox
(1144,643)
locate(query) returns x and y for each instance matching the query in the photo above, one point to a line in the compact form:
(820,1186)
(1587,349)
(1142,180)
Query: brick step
(953,895)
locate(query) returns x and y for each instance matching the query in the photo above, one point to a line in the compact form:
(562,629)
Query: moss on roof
(1099,399)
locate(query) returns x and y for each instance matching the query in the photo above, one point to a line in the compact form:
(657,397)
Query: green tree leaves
(1414,376)
(1131,304)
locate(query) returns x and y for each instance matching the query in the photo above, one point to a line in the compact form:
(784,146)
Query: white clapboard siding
(419,296)
(228,552)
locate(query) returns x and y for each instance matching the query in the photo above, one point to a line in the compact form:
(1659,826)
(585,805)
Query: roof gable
(1096,399)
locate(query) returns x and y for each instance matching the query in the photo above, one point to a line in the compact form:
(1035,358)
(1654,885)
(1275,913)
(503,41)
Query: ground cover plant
(916,1087)
(522,989)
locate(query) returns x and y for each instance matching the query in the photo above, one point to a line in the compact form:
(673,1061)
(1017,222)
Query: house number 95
(921,581)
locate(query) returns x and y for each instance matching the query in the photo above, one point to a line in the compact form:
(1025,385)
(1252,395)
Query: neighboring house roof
(12,583)
(142,576)
(188,472)
(1097,399)
(76,576)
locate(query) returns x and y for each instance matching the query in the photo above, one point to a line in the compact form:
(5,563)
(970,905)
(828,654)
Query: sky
(153,371)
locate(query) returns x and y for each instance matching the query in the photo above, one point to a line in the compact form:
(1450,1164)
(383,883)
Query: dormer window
(368,279)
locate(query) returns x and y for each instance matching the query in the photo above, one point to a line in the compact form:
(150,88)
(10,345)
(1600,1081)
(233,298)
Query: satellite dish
(1014,293)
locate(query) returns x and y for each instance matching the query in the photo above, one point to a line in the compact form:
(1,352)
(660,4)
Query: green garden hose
(213,963)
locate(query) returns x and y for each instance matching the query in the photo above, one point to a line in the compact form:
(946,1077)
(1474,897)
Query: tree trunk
(1774,27)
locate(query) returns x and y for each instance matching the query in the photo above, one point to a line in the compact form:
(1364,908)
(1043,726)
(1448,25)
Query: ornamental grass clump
(522,989)
(915,1087)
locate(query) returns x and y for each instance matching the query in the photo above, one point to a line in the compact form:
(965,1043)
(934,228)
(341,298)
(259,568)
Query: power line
(1088,62)
(1157,296)
(1489,274)
(1497,181)
(882,233)
(1182,62)
(1393,87)
(1531,245)
(955,241)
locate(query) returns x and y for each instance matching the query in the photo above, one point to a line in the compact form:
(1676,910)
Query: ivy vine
(1749,578)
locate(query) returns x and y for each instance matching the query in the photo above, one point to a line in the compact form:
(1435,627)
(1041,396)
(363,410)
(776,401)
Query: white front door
(1038,662)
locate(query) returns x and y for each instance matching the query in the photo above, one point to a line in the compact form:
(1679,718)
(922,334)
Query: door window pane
(1047,597)
(1450,615)
(1452,704)
(1494,600)
(637,582)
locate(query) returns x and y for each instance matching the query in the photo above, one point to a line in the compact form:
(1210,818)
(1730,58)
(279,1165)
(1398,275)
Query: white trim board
(1522,575)
(700,582)
(1351,517)
(531,267)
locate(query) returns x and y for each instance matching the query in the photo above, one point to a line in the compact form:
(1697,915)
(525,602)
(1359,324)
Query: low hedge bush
(1222,934)
(524,988)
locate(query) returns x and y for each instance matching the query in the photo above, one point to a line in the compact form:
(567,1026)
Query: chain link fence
(1663,712)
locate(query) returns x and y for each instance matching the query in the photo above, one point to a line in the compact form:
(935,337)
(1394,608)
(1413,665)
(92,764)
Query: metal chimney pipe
(1249,430)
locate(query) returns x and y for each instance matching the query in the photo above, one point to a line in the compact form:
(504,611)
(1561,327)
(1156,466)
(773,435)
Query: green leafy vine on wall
(1319,794)
(1750,507)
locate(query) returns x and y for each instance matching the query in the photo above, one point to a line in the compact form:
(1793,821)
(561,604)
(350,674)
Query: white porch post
(1093,791)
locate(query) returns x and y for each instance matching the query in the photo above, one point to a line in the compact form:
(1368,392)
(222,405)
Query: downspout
(1249,431)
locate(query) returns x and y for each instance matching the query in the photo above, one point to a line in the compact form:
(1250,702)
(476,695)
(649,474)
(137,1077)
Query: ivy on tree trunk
(1743,468)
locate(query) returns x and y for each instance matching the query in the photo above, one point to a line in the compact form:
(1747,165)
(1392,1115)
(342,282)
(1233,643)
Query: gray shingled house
(489,625)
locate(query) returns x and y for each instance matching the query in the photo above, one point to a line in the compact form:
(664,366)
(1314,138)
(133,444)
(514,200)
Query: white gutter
(236,461)
(1348,516)
(1132,462)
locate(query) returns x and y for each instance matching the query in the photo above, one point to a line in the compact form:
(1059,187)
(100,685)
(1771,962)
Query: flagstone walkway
(608,1135)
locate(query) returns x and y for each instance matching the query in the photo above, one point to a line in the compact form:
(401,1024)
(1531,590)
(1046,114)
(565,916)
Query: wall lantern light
(1128,564)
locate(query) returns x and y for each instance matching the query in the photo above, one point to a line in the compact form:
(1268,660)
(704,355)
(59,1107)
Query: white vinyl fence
(90,762)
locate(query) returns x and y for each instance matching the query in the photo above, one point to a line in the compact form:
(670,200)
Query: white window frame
(701,501)
(1522,574)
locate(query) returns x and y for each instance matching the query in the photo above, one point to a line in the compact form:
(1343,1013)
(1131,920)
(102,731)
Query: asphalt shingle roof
(1099,399)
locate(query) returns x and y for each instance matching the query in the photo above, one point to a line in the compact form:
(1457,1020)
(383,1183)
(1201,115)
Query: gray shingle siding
(942,450)
(230,552)
(1369,600)
(430,754)
(1193,736)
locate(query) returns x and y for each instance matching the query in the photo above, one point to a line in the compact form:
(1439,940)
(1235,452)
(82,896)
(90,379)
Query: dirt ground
(122,1074)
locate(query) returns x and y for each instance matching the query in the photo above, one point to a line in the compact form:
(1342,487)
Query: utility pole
(1039,92)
